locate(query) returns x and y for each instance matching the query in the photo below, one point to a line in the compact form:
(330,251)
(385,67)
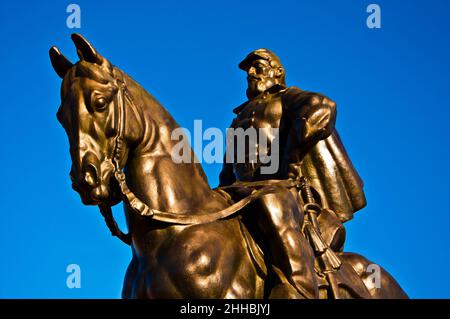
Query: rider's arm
(226,176)
(313,114)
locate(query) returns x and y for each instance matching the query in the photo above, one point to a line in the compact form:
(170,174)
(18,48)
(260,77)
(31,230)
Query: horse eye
(100,104)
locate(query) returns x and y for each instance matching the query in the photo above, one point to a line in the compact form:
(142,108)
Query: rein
(139,206)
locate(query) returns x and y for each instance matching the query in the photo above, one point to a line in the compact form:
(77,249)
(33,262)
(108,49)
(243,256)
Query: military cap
(264,54)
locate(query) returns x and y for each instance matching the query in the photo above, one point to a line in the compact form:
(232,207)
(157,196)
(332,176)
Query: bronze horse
(112,124)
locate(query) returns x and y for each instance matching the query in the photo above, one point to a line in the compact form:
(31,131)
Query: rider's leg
(279,218)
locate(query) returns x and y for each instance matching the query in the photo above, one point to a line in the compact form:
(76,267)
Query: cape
(326,164)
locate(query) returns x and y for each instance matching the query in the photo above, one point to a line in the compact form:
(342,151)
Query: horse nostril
(91,175)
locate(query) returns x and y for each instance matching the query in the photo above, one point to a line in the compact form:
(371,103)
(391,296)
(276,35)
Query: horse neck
(151,173)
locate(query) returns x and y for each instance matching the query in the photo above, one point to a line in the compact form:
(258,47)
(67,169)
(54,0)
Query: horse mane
(160,116)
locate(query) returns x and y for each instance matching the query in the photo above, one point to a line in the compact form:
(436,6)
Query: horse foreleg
(207,261)
(128,290)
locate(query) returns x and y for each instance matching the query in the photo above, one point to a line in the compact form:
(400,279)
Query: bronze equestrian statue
(277,236)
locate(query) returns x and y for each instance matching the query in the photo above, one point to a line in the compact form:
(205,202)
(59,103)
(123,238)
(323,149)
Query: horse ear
(85,50)
(59,62)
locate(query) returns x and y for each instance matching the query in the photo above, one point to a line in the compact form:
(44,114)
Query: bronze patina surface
(256,236)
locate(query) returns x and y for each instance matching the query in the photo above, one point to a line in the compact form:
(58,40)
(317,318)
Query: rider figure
(308,146)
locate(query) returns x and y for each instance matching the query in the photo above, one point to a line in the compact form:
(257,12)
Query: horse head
(93,100)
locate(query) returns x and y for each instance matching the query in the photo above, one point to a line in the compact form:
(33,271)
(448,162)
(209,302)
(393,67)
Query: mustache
(254,78)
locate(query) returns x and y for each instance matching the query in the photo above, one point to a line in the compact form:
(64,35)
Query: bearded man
(308,146)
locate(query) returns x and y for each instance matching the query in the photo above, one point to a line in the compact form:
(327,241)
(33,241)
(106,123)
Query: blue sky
(390,84)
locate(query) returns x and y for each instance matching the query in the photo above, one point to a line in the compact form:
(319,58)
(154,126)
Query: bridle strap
(128,197)
(106,210)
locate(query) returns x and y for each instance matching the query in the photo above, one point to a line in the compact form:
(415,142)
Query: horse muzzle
(93,180)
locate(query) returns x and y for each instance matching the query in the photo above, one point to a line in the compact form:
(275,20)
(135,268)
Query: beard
(258,86)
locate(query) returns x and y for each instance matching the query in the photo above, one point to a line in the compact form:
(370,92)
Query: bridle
(138,206)
(119,143)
